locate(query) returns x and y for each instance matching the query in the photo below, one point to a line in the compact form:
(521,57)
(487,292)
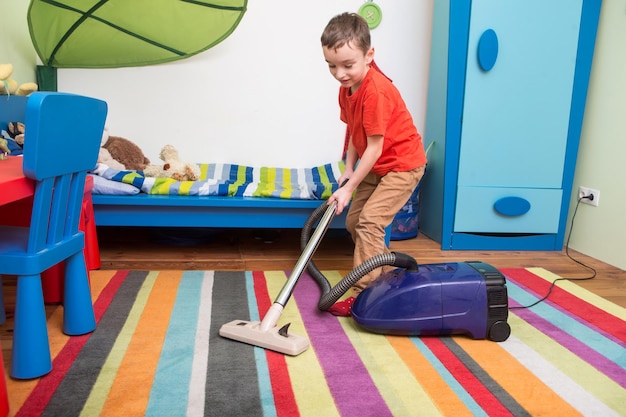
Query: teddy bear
(173,167)
(9,86)
(120,153)
(104,157)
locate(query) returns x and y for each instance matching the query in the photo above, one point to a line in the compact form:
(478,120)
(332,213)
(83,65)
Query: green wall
(600,231)
(15,45)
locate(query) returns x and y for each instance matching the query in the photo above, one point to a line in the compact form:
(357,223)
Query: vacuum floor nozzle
(276,339)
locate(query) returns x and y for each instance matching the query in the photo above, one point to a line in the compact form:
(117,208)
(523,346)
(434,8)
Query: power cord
(569,235)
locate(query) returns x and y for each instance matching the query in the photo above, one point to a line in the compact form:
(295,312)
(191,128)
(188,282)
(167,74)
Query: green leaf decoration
(126,33)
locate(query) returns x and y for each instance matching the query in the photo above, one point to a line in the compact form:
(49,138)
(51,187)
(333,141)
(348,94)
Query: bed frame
(209,211)
(205,211)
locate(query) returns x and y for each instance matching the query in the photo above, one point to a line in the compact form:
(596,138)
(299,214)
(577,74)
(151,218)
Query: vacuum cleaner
(467,298)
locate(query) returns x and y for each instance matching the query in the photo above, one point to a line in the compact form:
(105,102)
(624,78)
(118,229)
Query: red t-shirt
(378,109)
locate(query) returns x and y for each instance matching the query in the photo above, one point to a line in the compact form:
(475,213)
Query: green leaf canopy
(125,33)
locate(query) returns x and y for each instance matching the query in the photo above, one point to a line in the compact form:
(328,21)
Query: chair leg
(78,314)
(31,347)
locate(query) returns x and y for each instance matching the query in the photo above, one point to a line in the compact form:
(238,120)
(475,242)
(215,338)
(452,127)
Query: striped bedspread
(316,183)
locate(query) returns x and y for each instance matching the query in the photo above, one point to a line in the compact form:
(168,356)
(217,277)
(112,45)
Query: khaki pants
(375,204)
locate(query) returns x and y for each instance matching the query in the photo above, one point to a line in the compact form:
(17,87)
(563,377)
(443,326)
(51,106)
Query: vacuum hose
(331,295)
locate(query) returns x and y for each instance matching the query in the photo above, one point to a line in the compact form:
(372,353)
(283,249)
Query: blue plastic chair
(63,135)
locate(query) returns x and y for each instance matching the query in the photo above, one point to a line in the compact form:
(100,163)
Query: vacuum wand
(265,333)
(272,316)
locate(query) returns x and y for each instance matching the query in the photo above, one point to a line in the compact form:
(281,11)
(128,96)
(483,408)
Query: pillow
(104,186)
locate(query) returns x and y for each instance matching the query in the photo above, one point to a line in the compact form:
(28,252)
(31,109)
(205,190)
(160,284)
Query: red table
(14,185)
(16,192)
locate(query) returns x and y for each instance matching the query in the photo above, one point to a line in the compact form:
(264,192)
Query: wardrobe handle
(512,206)
(487,49)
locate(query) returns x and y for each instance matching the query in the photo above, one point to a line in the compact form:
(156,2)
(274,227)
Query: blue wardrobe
(507,91)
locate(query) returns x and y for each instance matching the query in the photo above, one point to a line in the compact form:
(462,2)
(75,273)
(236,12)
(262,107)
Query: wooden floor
(246,249)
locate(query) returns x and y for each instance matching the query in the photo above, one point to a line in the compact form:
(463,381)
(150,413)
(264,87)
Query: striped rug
(157,352)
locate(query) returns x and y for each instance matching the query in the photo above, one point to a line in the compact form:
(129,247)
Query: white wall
(264,96)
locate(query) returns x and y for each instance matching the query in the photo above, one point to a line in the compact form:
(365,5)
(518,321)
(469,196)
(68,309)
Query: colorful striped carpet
(157,352)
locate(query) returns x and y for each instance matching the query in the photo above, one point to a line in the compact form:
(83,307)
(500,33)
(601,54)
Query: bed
(242,202)
(226,195)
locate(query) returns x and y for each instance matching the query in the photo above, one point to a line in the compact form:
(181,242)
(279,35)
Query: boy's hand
(342,197)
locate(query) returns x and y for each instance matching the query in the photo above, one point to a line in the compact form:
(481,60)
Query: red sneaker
(342,308)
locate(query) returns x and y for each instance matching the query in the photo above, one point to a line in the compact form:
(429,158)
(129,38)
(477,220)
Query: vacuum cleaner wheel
(499,331)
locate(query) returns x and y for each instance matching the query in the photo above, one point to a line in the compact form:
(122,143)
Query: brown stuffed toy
(126,152)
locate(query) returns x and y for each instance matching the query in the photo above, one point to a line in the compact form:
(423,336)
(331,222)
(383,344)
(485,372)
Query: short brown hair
(347,28)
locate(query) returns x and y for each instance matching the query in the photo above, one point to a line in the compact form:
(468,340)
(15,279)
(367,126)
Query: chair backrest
(63,134)
(62,141)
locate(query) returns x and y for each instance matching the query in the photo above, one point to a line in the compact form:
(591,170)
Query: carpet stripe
(575,306)
(595,350)
(400,390)
(397,385)
(522,295)
(449,396)
(268,286)
(173,373)
(518,389)
(306,377)
(304,373)
(563,387)
(94,347)
(267,365)
(342,366)
(605,306)
(47,385)
(231,380)
(566,362)
(68,400)
(604,354)
(197,388)
(142,337)
(575,324)
(403,381)
(490,392)
(486,399)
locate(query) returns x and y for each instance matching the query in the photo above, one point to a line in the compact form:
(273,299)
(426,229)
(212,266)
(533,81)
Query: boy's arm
(351,160)
(373,151)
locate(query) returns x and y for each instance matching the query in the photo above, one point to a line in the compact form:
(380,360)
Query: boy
(383,140)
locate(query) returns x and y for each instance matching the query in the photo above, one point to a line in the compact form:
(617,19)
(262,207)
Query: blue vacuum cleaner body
(438,299)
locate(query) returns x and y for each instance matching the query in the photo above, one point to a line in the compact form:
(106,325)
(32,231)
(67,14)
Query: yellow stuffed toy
(9,86)
(173,167)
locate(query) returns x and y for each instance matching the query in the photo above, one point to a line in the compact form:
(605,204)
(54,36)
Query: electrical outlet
(589,196)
